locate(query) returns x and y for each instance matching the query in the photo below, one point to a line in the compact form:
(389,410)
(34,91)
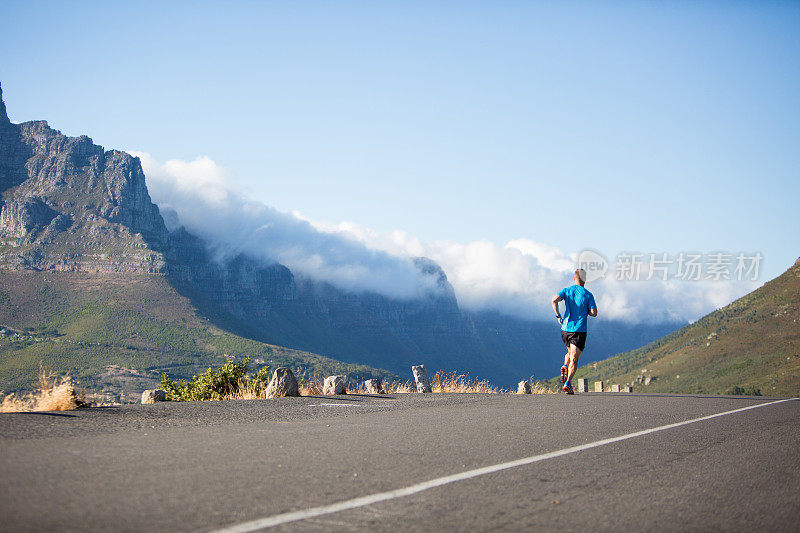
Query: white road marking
(334,405)
(284,518)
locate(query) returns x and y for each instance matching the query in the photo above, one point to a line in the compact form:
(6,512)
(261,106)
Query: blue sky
(641,126)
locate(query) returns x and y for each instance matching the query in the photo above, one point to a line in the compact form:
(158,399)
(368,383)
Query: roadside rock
(524,387)
(421,378)
(154,395)
(373,386)
(283,383)
(334,385)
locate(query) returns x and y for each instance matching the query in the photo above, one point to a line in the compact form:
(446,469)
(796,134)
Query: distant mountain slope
(117,333)
(536,348)
(751,344)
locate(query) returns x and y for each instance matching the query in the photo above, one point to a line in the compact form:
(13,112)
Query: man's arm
(557,299)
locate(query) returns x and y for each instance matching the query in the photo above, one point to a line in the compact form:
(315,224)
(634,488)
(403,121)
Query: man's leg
(564,368)
(574,354)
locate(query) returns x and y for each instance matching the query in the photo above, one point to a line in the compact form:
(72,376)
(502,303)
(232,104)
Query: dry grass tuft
(310,387)
(52,393)
(539,387)
(454,382)
(246,391)
(398,387)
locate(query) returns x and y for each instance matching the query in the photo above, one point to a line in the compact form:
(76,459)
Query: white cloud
(519,277)
(202,178)
(208,203)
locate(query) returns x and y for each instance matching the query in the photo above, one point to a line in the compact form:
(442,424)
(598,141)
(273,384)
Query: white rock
(334,385)
(373,386)
(421,378)
(583,386)
(615,387)
(598,386)
(154,395)
(524,387)
(283,383)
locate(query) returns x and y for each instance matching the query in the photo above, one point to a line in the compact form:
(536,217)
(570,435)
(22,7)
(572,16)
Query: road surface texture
(240,464)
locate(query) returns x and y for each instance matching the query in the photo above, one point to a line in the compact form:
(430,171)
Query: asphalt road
(203,467)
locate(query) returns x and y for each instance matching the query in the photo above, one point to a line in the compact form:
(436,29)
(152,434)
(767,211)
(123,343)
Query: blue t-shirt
(578,301)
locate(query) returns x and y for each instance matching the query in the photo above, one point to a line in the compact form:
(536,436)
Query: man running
(579,303)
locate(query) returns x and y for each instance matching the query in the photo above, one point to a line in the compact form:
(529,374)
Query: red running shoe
(564,374)
(568,388)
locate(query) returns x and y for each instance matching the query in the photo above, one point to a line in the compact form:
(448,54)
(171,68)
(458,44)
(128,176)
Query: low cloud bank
(517,278)
(201,196)
(521,277)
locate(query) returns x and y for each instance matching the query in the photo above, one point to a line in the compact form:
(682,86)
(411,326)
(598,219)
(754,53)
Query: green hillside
(751,345)
(117,332)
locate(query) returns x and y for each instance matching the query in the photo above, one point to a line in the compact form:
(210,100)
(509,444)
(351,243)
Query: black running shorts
(578,338)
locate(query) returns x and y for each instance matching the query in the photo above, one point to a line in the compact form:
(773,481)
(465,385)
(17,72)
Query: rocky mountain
(68,205)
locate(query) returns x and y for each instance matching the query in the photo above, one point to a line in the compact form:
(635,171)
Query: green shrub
(257,382)
(211,384)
